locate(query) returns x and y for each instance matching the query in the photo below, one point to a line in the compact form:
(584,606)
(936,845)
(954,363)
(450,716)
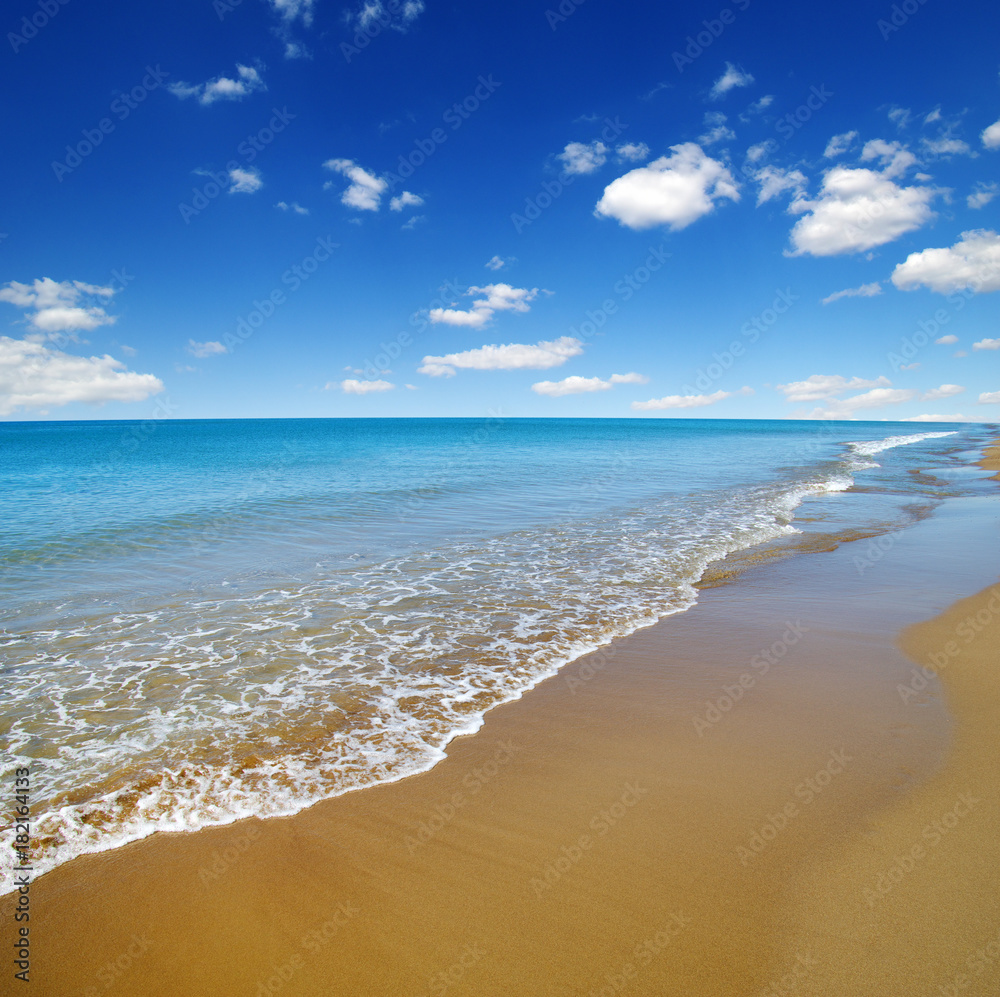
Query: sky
(561,208)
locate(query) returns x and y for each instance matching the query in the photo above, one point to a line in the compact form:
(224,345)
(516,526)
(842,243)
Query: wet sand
(697,809)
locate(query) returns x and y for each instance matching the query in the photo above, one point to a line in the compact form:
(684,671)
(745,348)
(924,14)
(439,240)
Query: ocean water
(205,620)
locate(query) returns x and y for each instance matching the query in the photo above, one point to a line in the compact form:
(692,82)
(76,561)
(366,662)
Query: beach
(734,800)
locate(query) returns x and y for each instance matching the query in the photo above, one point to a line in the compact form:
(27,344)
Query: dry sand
(593,838)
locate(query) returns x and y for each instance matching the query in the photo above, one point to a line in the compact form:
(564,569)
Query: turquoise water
(204,620)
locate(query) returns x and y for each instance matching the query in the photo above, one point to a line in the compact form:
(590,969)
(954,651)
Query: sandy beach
(736,800)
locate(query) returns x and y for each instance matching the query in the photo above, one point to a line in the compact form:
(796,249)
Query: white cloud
(398,16)
(129,351)
(733,77)
(987,344)
(718,131)
(673,190)
(499,262)
(944,145)
(991,136)
(859,209)
(499,298)
(894,157)
(687,401)
(946,340)
(957,417)
(412,223)
(53,306)
(934,115)
(839,144)
(989,398)
(579,157)
(974,263)
(775,181)
(757,152)
(511,356)
(33,375)
(575,385)
(981,195)
(290,10)
(844,408)
(294,206)
(900,116)
(864,291)
(210,349)
(355,387)
(405,200)
(945,391)
(222,87)
(366,189)
(632,152)
(758,106)
(820,386)
(245,181)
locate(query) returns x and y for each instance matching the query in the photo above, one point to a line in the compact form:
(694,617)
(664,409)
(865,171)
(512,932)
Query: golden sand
(702,808)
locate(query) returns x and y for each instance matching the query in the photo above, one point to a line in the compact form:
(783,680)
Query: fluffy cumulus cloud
(864,291)
(945,391)
(830,389)
(632,152)
(733,77)
(861,208)
(365,190)
(580,157)
(498,298)
(991,136)
(981,195)
(989,398)
(774,182)
(973,262)
(294,206)
(718,130)
(398,16)
(351,386)
(987,344)
(946,340)
(405,200)
(687,401)
(247,80)
(498,262)
(820,386)
(512,356)
(244,181)
(53,307)
(576,385)
(839,144)
(210,349)
(34,376)
(673,190)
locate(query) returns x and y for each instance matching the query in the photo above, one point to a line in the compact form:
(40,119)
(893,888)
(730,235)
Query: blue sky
(294,208)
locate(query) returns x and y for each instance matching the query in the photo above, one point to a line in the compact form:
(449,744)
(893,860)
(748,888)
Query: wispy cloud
(246,81)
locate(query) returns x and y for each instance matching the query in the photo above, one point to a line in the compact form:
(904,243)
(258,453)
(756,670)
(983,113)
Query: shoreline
(588,831)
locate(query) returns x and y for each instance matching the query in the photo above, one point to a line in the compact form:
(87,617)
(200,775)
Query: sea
(206,620)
